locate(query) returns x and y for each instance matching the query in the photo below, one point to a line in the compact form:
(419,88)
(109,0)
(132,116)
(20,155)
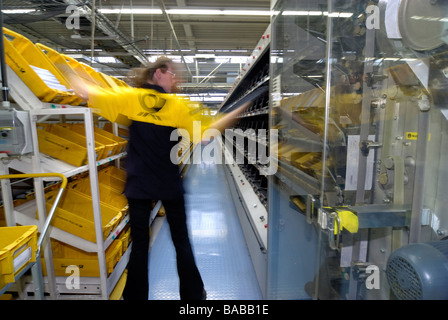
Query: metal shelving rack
(25,214)
(249,193)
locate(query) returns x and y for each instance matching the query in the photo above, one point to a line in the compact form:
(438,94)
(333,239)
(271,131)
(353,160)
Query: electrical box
(15,132)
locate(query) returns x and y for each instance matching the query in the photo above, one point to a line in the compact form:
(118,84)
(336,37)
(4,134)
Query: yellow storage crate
(107,194)
(112,81)
(35,69)
(65,255)
(120,141)
(122,132)
(65,145)
(78,68)
(61,65)
(125,238)
(115,172)
(74,214)
(117,293)
(105,177)
(96,76)
(110,146)
(109,80)
(18,246)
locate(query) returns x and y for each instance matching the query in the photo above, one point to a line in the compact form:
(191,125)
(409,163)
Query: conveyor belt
(218,242)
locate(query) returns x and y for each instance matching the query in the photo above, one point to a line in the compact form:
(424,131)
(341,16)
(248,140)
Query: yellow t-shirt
(122,105)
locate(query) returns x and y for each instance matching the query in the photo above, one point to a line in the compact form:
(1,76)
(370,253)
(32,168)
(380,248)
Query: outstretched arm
(229,119)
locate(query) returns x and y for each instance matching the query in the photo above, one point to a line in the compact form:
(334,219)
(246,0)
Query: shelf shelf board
(50,164)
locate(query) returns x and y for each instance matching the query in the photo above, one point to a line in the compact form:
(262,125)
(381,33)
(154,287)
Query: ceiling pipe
(117,22)
(132,20)
(92,41)
(170,25)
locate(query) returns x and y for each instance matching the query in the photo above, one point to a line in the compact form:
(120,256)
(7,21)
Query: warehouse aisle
(218,242)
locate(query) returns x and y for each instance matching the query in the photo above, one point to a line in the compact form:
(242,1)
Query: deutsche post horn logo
(151,103)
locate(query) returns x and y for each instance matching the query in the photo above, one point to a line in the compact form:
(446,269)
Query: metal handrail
(37,267)
(43,232)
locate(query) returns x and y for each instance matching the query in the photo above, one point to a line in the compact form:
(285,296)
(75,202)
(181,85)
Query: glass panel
(298,50)
(358,93)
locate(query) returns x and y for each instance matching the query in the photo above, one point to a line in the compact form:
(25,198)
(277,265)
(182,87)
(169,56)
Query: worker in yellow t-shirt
(153,114)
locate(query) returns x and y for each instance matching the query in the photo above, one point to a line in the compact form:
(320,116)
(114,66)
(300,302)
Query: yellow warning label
(414,136)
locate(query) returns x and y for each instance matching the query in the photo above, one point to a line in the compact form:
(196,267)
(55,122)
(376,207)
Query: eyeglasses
(172,74)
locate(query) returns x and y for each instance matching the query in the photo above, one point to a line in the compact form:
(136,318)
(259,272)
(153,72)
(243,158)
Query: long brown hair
(139,76)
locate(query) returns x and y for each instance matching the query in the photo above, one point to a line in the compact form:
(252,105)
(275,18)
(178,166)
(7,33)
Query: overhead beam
(106,26)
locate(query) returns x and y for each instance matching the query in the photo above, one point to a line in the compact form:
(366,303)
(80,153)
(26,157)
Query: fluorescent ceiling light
(129,11)
(231,59)
(107,60)
(302,13)
(193,11)
(318,13)
(204,55)
(191,59)
(19,11)
(220,12)
(190,11)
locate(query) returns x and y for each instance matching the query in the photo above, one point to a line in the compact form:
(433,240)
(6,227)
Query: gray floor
(218,242)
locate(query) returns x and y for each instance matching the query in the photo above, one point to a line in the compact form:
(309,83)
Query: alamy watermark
(373,278)
(73,280)
(73,20)
(249,146)
(373,17)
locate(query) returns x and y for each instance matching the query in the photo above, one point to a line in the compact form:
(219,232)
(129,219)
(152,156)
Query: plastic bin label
(22,259)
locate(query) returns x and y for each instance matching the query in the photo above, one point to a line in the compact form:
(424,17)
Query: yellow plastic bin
(95,75)
(109,80)
(109,146)
(107,194)
(65,145)
(105,177)
(125,237)
(65,255)
(62,66)
(79,69)
(18,246)
(120,141)
(74,214)
(115,172)
(35,69)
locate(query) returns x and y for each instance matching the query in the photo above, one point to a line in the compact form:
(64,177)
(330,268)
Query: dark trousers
(191,285)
